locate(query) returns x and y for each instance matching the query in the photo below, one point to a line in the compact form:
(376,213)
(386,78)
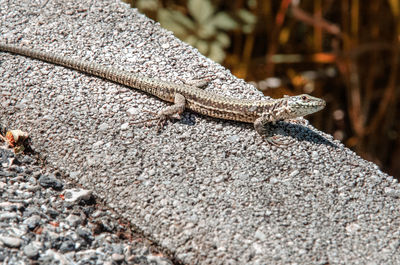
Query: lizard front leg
(262,125)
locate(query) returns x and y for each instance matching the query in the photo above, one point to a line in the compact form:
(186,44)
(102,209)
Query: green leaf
(202,46)
(206,31)
(223,39)
(216,52)
(168,19)
(252,3)
(191,40)
(247,17)
(183,20)
(148,5)
(201,10)
(247,28)
(248,20)
(224,21)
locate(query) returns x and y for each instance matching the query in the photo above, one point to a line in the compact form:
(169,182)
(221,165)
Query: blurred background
(345,51)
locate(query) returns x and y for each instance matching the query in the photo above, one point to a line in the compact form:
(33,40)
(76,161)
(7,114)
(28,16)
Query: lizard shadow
(282,128)
(299,132)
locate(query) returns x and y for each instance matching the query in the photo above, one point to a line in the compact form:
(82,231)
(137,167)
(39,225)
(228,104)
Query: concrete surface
(209,191)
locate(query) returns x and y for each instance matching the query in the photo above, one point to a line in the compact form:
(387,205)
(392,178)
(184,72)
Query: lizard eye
(304,97)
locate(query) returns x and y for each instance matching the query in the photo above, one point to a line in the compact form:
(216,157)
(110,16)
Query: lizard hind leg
(171,112)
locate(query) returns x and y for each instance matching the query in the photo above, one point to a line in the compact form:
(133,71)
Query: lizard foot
(147,123)
(160,119)
(199,83)
(279,141)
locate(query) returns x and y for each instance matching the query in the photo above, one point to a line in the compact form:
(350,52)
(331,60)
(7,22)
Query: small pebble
(73,220)
(46,229)
(117,257)
(7,216)
(31,251)
(32,221)
(76,195)
(12,242)
(67,246)
(50,182)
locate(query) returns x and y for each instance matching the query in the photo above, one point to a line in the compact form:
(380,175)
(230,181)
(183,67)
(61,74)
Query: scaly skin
(258,112)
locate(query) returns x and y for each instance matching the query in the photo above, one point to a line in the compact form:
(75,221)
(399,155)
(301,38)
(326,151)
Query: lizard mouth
(322,104)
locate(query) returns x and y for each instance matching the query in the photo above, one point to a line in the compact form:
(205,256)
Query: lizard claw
(160,120)
(141,122)
(279,141)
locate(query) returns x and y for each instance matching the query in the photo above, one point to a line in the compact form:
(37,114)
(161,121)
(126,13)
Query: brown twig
(280,17)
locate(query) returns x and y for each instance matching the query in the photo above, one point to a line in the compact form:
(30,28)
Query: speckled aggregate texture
(209,191)
(47,220)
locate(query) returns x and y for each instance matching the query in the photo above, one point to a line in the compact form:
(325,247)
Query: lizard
(261,113)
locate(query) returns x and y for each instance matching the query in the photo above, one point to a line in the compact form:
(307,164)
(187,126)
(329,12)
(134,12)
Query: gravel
(39,225)
(208,191)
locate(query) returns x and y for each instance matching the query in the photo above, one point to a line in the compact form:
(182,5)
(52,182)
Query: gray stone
(7,216)
(67,246)
(31,250)
(32,222)
(12,242)
(10,206)
(117,257)
(73,220)
(50,182)
(76,195)
(85,234)
(103,127)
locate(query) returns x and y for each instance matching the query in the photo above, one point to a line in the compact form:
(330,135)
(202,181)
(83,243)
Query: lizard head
(302,105)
